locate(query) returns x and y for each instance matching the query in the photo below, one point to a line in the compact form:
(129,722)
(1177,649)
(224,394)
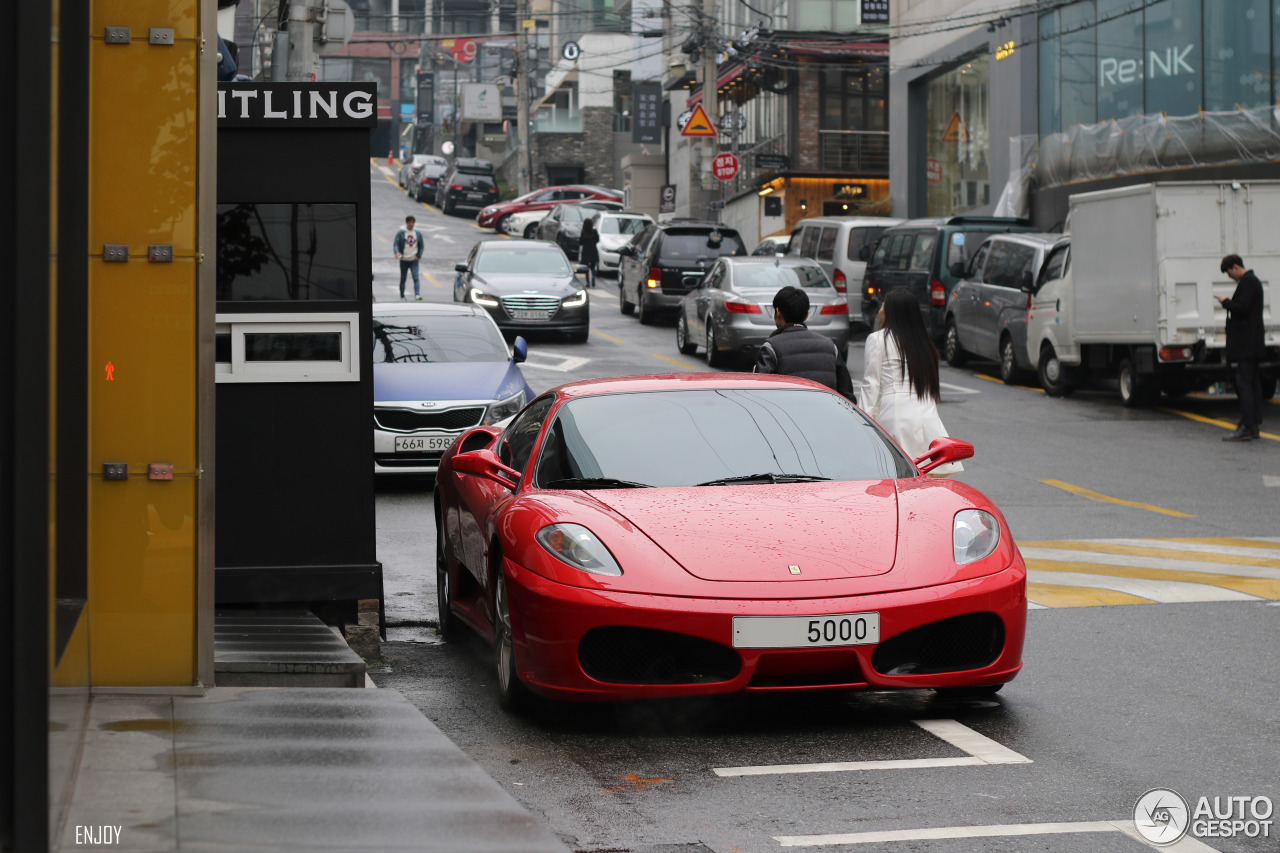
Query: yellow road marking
(1229,541)
(1214,422)
(1052,595)
(1171,553)
(1098,496)
(1261,587)
(608,337)
(431,278)
(673,361)
(383,239)
(1000,381)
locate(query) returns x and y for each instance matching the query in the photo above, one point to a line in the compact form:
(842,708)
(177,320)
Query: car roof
(683,381)
(518,245)
(990,222)
(626,214)
(1027,237)
(598,189)
(852,220)
(695,223)
(437,309)
(759,260)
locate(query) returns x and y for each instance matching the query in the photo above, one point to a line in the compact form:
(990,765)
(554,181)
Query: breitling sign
(292,105)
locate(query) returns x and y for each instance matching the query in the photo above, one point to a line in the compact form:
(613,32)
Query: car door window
(900,251)
(827,244)
(1054,268)
(979,259)
(881,251)
(996,269)
(922,253)
(859,237)
(1017,264)
(518,439)
(809,243)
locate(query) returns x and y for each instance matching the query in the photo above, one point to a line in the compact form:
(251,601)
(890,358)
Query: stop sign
(725,166)
(464,50)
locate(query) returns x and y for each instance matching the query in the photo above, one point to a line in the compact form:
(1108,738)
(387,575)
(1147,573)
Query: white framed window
(287,348)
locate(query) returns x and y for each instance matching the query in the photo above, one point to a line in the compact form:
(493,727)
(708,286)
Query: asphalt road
(1152,658)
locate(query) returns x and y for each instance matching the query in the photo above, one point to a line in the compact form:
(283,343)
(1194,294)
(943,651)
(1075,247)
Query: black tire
(715,358)
(624,306)
(643,314)
(531,231)
(512,694)
(448,623)
(446,208)
(686,346)
(1010,373)
(1053,376)
(951,349)
(1135,389)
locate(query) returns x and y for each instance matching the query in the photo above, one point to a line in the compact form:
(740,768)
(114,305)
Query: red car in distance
(544,199)
(778,541)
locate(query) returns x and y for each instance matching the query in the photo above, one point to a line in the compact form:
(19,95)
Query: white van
(835,243)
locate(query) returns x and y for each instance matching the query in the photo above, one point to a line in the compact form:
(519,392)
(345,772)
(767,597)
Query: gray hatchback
(730,311)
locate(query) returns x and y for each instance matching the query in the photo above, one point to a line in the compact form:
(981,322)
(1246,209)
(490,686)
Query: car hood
(756,533)
(509,284)
(614,241)
(454,380)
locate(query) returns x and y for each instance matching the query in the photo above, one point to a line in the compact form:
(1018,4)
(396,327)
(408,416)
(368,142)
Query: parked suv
(468,183)
(929,257)
(836,242)
(666,260)
(987,311)
(426,179)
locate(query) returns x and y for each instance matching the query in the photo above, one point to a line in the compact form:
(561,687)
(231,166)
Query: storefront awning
(732,73)
(832,47)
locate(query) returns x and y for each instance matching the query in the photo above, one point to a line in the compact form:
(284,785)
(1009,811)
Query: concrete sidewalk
(285,769)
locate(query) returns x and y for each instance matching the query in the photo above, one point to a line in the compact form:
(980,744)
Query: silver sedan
(731,310)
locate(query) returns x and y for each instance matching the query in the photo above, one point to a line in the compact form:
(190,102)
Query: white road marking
(1271,482)
(956,389)
(1031,605)
(1197,547)
(1186,845)
(1164,592)
(1064,555)
(981,750)
(558,363)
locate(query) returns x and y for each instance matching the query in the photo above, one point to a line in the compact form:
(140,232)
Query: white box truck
(1131,296)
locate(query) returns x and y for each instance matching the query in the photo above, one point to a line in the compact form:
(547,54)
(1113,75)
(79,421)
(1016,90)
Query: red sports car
(544,199)
(651,536)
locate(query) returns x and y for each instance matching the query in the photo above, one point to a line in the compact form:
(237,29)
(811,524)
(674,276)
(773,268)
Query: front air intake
(957,644)
(618,655)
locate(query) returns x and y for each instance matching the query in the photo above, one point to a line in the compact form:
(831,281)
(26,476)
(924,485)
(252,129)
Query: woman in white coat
(901,390)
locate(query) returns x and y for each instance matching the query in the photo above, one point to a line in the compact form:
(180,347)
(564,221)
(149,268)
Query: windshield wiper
(594,483)
(766,477)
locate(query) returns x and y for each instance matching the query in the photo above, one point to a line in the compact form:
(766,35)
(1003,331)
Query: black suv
(469,183)
(928,257)
(664,262)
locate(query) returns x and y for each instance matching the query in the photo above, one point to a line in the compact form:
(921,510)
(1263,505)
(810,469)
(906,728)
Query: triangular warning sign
(956,131)
(698,124)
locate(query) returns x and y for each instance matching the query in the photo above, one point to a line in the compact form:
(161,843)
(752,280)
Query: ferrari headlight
(578,547)
(503,409)
(579,298)
(974,535)
(479,297)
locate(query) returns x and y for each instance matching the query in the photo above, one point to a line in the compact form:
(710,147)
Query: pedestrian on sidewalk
(1246,345)
(588,253)
(793,349)
(902,387)
(408,248)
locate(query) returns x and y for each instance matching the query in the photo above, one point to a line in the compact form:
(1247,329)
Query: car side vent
(619,655)
(957,644)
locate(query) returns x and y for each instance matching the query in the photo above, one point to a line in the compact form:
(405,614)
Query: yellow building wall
(144,158)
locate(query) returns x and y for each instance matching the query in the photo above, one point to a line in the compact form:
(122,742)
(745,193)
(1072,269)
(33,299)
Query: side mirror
(626,252)
(940,452)
(459,267)
(1027,284)
(521,350)
(958,270)
(864,253)
(486,464)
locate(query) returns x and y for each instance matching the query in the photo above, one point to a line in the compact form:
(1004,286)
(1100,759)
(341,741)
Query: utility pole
(524,154)
(302,50)
(710,80)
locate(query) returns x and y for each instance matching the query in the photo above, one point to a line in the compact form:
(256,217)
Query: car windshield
(773,278)
(515,259)
(701,244)
(572,213)
(622,224)
(715,434)
(436,338)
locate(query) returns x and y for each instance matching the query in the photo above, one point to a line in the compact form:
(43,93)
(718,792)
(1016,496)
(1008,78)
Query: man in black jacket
(796,351)
(1246,345)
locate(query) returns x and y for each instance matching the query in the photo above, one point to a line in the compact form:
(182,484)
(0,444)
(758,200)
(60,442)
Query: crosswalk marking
(1187,844)
(1098,572)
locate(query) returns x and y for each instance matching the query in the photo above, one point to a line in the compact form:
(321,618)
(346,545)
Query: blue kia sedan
(438,370)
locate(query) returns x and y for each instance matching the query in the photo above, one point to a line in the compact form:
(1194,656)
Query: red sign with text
(725,166)
(933,169)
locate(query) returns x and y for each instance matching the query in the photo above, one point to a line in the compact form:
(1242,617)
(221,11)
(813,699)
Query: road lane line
(1054,596)
(1255,569)
(673,361)
(1000,381)
(846,766)
(1098,496)
(1162,592)
(1007,830)
(958,389)
(1252,542)
(978,745)
(1259,587)
(383,239)
(607,337)
(1261,549)
(432,279)
(1213,422)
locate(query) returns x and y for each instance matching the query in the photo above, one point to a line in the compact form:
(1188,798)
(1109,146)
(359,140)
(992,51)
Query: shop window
(1174,59)
(958,137)
(1078,63)
(1120,60)
(286,252)
(286,348)
(1237,54)
(1050,76)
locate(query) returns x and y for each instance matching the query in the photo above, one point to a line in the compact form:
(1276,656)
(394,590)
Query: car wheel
(1010,373)
(448,623)
(512,694)
(951,349)
(715,358)
(1135,389)
(1053,376)
(623,305)
(645,316)
(531,231)
(686,346)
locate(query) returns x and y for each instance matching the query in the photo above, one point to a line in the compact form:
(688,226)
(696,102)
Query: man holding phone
(1246,345)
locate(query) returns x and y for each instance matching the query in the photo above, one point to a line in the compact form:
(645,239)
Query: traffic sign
(725,166)
(956,131)
(464,50)
(571,51)
(698,124)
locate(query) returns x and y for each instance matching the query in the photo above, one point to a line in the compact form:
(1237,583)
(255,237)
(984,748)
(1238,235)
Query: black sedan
(563,226)
(526,287)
